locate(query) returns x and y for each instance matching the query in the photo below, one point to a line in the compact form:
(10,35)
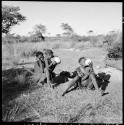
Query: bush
(115,51)
(114,37)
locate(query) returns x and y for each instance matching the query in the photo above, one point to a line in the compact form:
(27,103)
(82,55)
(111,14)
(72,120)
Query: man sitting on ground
(84,75)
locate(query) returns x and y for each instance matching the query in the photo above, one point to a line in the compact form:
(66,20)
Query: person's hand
(80,74)
(53,62)
(45,57)
(71,73)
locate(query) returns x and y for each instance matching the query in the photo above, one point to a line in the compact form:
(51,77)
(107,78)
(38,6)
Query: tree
(58,35)
(67,28)
(90,32)
(9,38)
(10,17)
(18,38)
(91,37)
(39,30)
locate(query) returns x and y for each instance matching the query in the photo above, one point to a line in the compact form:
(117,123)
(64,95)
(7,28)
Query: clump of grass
(115,52)
(114,45)
(29,53)
(21,79)
(15,83)
(18,111)
(98,110)
(77,107)
(10,111)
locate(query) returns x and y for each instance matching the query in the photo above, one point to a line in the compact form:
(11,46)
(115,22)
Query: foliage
(40,28)
(67,28)
(115,51)
(10,17)
(11,38)
(113,37)
(114,45)
(38,32)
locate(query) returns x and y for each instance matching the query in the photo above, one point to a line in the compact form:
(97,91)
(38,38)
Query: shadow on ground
(14,83)
(12,87)
(102,81)
(62,77)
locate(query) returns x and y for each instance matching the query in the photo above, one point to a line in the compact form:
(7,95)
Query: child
(87,65)
(39,67)
(84,74)
(53,61)
(39,64)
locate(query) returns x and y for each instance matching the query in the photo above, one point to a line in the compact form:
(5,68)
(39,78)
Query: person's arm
(85,75)
(36,67)
(52,66)
(47,70)
(41,67)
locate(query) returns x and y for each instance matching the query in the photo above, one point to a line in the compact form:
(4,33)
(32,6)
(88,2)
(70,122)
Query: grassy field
(24,100)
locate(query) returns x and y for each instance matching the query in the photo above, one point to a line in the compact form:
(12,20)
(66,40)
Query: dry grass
(75,107)
(79,106)
(47,105)
(15,84)
(27,49)
(18,110)
(14,53)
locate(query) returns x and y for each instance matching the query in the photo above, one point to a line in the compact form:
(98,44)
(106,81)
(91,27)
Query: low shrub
(115,52)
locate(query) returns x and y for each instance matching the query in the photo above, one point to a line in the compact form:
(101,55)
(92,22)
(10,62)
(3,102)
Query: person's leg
(89,84)
(52,76)
(70,85)
(42,79)
(93,78)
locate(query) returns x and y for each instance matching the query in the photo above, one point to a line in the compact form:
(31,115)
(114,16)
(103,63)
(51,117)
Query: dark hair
(81,59)
(39,53)
(48,51)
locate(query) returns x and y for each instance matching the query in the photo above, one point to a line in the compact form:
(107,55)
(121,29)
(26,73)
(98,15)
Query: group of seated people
(40,67)
(83,75)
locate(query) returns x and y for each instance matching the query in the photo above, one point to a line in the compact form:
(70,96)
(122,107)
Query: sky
(101,17)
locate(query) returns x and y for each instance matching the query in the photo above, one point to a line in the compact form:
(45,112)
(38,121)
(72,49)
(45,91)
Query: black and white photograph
(62,62)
